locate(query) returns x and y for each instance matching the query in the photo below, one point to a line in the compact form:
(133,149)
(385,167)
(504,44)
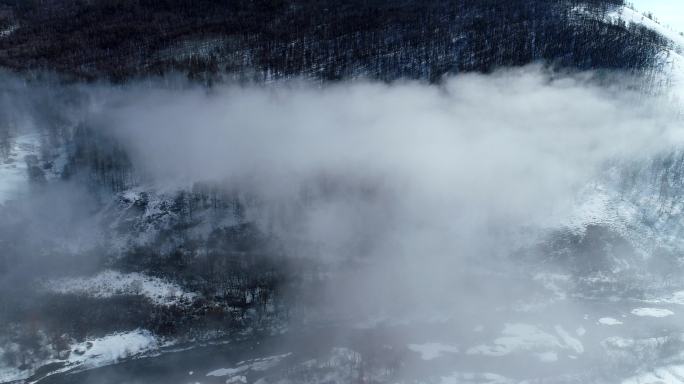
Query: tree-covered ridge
(261,40)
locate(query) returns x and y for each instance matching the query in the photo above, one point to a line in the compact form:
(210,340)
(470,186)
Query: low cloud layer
(507,149)
(416,180)
(400,204)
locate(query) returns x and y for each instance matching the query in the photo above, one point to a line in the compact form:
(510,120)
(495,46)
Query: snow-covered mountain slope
(671,55)
(630,15)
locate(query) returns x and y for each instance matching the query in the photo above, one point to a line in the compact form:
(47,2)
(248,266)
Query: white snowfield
(113,283)
(668,12)
(673,57)
(631,16)
(529,338)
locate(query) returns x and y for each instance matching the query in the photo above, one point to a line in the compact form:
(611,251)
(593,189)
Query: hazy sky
(670,12)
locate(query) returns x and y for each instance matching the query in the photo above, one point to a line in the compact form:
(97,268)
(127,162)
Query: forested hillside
(329,40)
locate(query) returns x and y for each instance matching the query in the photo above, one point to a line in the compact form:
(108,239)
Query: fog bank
(417,181)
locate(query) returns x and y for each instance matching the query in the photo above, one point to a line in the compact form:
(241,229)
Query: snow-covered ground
(109,349)
(673,58)
(92,353)
(668,12)
(631,16)
(112,283)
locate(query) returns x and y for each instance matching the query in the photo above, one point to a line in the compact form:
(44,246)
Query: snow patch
(631,16)
(609,321)
(673,57)
(94,353)
(112,283)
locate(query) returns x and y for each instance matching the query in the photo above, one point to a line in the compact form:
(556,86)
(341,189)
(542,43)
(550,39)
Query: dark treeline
(265,39)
